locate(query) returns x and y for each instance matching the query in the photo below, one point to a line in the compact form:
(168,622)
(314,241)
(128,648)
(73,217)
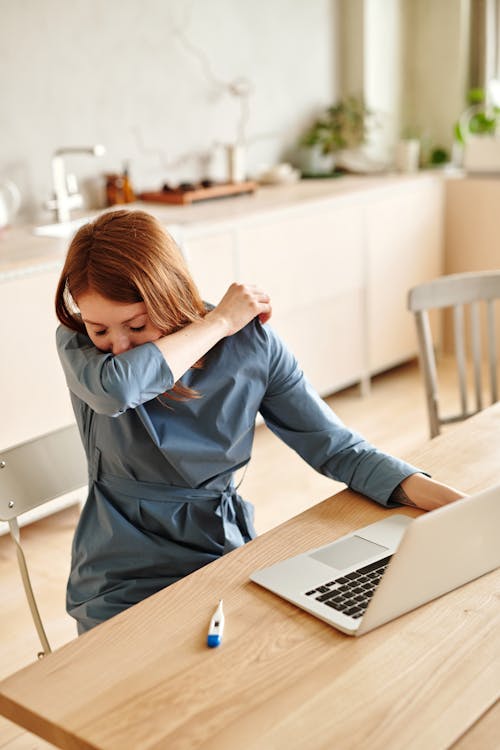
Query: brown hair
(127,256)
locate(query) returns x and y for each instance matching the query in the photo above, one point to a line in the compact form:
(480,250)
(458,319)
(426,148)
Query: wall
(409,59)
(373,65)
(437,63)
(384,69)
(149,79)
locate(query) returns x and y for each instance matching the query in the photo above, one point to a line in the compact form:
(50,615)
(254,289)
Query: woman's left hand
(419,491)
(240,304)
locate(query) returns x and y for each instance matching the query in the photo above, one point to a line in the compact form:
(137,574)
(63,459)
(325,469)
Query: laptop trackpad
(348,552)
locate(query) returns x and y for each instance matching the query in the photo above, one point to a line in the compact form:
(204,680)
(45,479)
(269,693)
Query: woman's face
(113,326)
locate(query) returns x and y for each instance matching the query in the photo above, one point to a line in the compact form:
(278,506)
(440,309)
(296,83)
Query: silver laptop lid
(439,552)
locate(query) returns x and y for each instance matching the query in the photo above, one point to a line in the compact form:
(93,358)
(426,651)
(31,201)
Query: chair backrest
(462,292)
(31,474)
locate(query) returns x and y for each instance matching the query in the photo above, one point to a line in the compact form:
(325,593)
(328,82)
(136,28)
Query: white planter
(312,160)
(407,155)
(482,153)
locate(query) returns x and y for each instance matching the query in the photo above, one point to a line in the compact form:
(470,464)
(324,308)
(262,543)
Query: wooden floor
(278,482)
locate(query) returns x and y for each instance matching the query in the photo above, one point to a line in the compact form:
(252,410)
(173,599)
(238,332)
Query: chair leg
(428,365)
(14,532)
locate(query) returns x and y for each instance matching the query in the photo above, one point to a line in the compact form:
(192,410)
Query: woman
(165,391)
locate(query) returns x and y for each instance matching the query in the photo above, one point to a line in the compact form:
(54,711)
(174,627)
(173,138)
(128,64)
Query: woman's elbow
(110,402)
(107,410)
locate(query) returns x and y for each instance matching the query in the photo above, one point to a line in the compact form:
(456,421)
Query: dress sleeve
(111,384)
(297,415)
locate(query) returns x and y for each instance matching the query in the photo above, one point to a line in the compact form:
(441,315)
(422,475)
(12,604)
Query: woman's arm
(296,414)
(111,384)
(240,304)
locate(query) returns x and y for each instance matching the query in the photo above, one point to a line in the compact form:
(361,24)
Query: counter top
(22,253)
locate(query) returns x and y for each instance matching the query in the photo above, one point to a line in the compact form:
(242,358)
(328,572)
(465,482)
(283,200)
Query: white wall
(409,58)
(436,62)
(121,73)
(372,65)
(384,71)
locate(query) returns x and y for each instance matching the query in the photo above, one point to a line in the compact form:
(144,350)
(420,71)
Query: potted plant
(344,125)
(477,133)
(476,119)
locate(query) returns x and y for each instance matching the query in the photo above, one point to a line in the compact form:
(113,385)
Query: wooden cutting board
(218,190)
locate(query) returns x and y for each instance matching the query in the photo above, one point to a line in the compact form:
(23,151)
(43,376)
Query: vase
(312,160)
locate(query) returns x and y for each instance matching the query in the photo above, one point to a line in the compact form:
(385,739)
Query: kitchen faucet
(66,195)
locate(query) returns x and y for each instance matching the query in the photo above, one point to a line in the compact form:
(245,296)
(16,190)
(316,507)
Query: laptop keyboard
(352,592)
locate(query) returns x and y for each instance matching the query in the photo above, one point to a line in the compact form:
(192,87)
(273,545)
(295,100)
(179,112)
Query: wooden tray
(181,197)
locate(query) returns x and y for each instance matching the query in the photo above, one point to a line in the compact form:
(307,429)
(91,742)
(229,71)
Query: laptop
(381,571)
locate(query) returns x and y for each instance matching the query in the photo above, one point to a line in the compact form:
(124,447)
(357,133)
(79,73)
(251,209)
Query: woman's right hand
(241,304)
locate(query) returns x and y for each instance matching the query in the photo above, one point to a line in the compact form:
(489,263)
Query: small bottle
(236,168)
(114,189)
(128,192)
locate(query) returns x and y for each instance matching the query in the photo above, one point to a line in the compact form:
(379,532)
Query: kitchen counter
(22,253)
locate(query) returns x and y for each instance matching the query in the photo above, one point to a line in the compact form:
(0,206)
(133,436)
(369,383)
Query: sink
(62,229)
(68,228)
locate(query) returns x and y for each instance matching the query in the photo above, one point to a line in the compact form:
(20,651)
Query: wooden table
(283,679)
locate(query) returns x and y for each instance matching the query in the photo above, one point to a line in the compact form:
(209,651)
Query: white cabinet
(211,260)
(472,226)
(338,272)
(404,248)
(34,394)
(312,265)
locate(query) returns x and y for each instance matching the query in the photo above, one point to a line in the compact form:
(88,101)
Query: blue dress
(161,500)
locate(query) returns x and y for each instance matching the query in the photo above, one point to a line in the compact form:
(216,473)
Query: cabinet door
(472,224)
(211,260)
(472,229)
(35,397)
(312,266)
(405,248)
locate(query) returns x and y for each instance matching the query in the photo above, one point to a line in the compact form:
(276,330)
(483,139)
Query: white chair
(462,292)
(31,474)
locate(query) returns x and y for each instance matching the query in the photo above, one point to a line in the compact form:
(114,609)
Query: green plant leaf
(480,123)
(345,124)
(439,156)
(457,132)
(475,96)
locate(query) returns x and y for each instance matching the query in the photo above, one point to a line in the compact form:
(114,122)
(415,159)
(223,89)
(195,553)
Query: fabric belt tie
(235,513)
(237,519)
